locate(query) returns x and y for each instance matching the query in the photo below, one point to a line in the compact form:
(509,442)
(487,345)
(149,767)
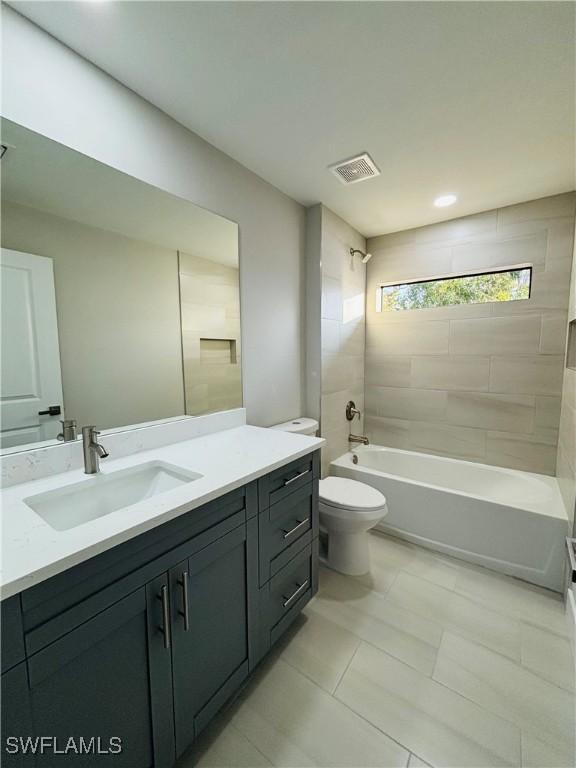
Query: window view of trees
(468,289)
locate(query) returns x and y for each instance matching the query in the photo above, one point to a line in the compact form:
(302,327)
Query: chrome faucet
(93,450)
(358,439)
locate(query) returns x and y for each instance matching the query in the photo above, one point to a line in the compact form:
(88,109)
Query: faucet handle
(351,410)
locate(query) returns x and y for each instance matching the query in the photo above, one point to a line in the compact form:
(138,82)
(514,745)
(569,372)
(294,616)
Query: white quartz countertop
(33,551)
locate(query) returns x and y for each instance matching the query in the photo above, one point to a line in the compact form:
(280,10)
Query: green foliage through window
(510,285)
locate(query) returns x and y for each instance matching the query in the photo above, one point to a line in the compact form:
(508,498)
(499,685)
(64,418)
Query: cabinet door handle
(165,628)
(294,595)
(296,477)
(301,523)
(186,610)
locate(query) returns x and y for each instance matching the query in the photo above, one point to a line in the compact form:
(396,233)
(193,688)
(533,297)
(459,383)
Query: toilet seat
(344,495)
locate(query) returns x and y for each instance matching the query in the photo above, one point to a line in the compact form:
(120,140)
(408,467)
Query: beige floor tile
(548,655)
(379,580)
(320,649)
(539,754)
(228,749)
(457,613)
(514,598)
(403,634)
(294,723)
(442,727)
(415,762)
(509,690)
(388,552)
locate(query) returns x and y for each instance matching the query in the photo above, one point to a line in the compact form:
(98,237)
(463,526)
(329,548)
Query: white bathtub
(513,522)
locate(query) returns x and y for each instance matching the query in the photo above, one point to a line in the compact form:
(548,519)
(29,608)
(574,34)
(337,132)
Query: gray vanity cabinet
(110,677)
(210,632)
(148,640)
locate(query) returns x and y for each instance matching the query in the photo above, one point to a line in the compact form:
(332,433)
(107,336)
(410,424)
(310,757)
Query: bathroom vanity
(146,640)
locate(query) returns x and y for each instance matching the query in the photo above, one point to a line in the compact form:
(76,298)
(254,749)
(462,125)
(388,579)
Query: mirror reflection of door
(30,377)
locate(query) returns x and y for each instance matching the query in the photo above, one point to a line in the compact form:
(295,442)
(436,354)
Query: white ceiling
(45,175)
(475,98)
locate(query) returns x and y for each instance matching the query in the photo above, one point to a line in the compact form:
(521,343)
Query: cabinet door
(16,719)
(110,677)
(210,632)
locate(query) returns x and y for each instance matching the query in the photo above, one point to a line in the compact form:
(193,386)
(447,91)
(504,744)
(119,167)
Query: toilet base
(349,553)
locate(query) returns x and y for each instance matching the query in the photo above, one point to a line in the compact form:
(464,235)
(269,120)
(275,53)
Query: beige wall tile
(500,252)
(495,335)
(527,374)
(420,404)
(547,412)
(409,339)
(394,433)
(388,370)
(444,231)
(331,299)
(343,332)
(444,379)
(330,332)
(460,372)
(509,413)
(560,246)
(545,208)
(553,334)
(532,453)
(409,262)
(445,439)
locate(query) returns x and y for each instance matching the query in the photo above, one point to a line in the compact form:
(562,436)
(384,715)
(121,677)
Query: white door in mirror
(30,381)
(101,494)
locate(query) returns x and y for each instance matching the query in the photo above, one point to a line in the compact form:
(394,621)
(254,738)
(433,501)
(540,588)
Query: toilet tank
(300,426)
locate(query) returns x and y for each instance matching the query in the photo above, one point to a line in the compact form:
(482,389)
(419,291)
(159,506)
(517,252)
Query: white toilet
(348,510)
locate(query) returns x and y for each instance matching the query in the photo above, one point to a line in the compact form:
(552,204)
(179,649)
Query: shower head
(364,256)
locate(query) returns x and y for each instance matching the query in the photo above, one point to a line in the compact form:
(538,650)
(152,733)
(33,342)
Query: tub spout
(358,439)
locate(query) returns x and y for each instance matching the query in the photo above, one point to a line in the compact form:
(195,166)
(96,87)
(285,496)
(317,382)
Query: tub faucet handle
(351,410)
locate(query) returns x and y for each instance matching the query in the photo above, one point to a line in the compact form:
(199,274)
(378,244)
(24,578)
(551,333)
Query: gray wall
(118,318)
(50,89)
(483,381)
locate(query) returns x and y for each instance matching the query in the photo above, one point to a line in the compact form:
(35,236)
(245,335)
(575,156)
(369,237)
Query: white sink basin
(104,493)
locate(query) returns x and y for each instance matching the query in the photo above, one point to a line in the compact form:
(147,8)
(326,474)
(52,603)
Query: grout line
(333,694)
(437,656)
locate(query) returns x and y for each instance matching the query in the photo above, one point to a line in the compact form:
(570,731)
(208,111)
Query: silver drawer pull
(294,595)
(289,533)
(183,582)
(165,628)
(296,477)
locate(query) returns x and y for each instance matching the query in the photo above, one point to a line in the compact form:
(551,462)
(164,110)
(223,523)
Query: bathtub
(510,521)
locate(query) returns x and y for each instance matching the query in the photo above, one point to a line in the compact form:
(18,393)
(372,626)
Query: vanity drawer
(284,596)
(285,480)
(285,527)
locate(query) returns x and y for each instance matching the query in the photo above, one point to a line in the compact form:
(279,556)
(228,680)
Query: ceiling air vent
(355,169)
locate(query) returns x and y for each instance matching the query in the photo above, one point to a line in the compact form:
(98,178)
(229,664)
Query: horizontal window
(500,285)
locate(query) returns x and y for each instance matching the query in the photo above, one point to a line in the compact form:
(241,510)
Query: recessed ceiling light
(444,200)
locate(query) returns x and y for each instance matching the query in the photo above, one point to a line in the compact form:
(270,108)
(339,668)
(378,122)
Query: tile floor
(426,662)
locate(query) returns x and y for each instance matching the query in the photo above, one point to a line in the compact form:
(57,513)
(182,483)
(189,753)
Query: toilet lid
(350,494)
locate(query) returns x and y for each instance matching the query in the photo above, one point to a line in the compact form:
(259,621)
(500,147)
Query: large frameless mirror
(120,302)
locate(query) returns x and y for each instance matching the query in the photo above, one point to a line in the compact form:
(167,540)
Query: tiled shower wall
(342,332)
(210,309)
(481,382)
(566,463)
